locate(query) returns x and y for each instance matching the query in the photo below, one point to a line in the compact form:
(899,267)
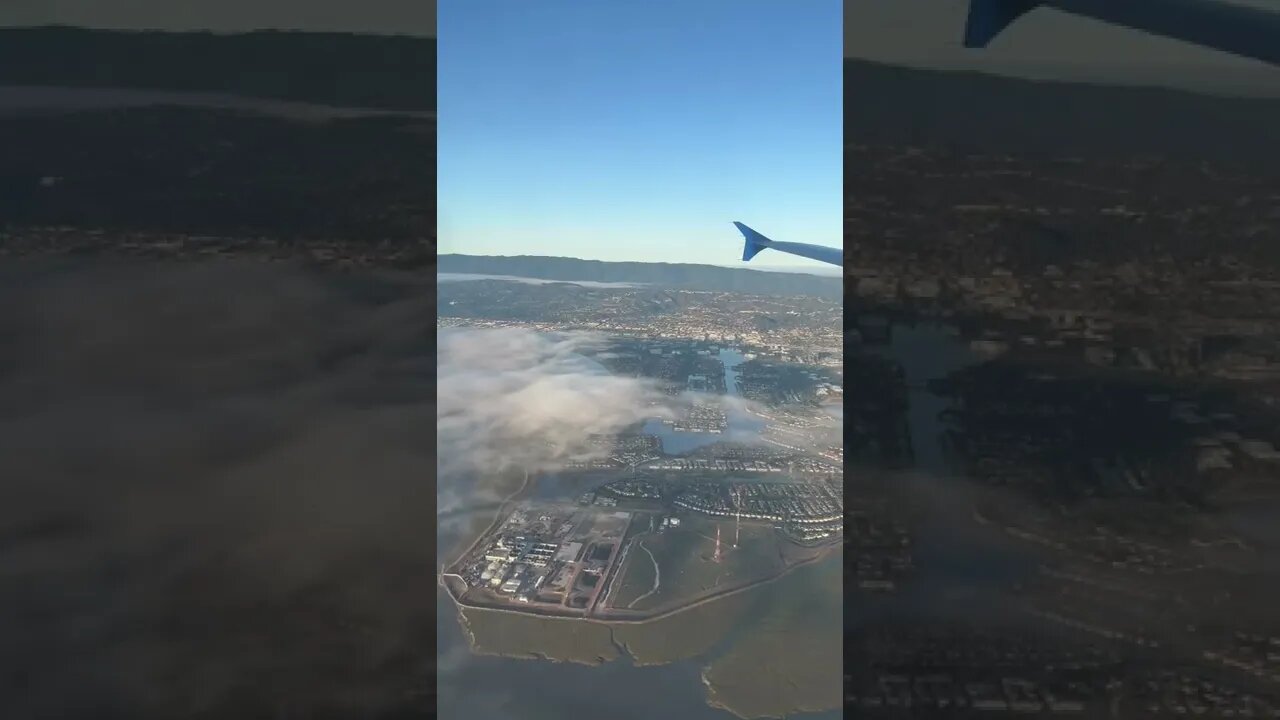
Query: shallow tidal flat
(511,634)
(768,652)
(788,657)
(694,633)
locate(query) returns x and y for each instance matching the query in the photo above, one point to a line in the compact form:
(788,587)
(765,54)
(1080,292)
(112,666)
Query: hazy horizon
(824,270)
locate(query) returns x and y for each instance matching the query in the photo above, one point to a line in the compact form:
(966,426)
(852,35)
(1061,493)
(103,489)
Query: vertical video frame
(640,360)
(217,299)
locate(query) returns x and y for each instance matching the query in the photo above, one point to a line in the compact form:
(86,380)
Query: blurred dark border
(394,73)
(335,69)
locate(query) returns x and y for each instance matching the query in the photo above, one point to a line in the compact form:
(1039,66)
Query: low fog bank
(218,492)
(519,399)
(513,400)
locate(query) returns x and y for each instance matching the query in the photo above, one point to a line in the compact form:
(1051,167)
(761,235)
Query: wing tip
(753,242)
(989,18)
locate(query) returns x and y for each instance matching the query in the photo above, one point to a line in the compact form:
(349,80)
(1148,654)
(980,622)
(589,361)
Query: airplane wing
(755,242)
(1218,24)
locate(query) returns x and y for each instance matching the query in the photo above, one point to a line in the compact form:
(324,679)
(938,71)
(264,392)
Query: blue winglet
(988,18)
(755,242)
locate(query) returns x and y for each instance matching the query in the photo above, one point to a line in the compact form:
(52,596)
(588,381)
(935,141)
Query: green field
(637,577)
(685,556)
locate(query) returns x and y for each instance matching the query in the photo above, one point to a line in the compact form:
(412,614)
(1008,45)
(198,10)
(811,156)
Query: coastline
(462,605)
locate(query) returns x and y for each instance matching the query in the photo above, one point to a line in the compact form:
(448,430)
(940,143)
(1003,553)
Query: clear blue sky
(617,130)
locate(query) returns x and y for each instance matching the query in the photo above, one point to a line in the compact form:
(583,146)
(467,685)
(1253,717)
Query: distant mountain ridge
(673,275)
(378,72)
(970,111)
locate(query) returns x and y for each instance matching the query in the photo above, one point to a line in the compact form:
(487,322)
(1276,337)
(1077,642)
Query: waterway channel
(962,568)
(742,425)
